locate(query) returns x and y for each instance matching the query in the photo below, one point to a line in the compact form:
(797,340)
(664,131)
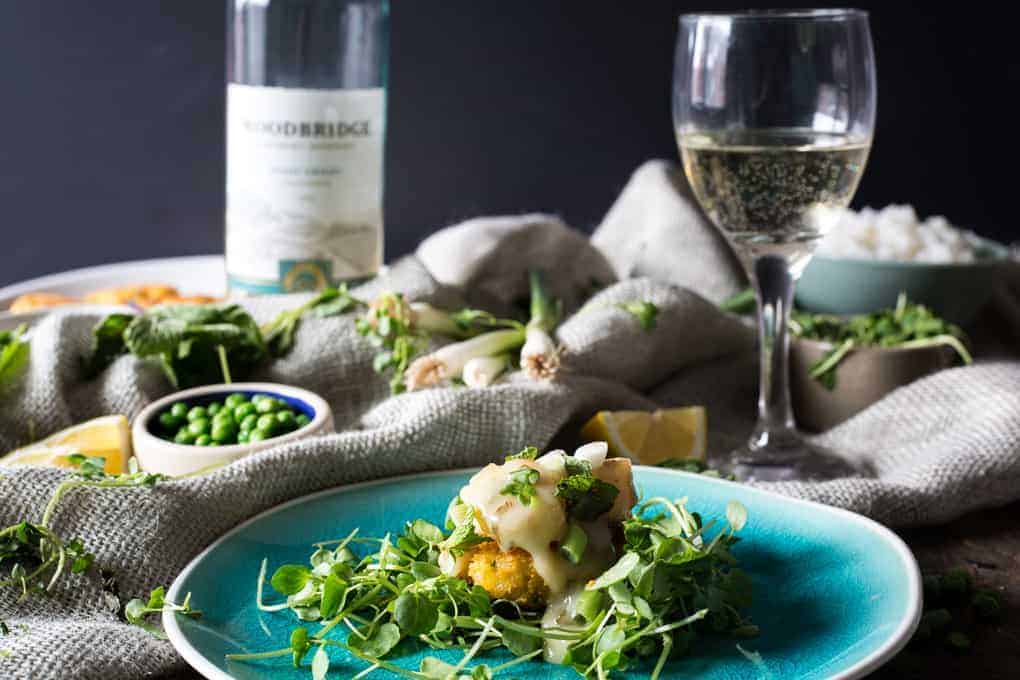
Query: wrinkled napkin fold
(938,448)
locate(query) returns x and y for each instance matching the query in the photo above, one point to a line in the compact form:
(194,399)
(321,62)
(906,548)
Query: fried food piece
(41,300)
(144,296)
(507,575)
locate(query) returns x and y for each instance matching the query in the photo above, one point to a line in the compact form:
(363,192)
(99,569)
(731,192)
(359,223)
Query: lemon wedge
(107,437)
(651,437)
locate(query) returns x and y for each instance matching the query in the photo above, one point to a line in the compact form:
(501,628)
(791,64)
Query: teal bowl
(956,292)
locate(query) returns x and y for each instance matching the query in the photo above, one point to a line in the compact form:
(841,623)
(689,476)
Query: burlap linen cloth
(938,448)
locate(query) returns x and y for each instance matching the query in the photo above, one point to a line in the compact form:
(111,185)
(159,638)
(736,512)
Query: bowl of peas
(209,426)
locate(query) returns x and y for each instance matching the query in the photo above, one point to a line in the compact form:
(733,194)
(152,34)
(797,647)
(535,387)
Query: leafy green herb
(522,485)
(528,453)
(673,582)
(584,495)
(107,344)
(137,611)
(387,325)
(279,333)
(645,311)
(743,302)
(463,536)
(35,556)
(195,344)
(13,354)
(907,325)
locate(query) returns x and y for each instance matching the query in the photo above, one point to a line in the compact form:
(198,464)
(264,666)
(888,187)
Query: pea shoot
(906,326)
(675,580)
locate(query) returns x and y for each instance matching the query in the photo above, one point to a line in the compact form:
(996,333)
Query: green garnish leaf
(645,311)
(616,573)
(379,643)
(520,643)
(299,645)
(522,485)
(290,579)
(528,453)
(427,531)
(463,536)
(333,589)
(107,344)
(14,354)
(585,496)
(414,613)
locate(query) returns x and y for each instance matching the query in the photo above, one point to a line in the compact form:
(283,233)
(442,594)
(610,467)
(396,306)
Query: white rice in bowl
(896,233)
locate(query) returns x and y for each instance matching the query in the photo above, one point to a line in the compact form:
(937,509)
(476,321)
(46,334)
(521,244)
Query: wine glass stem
(774,287)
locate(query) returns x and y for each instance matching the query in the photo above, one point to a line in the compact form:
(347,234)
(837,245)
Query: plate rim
(897,641)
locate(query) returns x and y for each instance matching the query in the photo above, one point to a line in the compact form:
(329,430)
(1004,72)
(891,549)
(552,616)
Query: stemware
(774,113)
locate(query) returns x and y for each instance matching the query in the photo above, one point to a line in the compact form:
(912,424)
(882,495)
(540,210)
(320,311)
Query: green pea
(249,423)
(259,397)
(169,421)
(267,405)
(244,410)
(224,434)
(213,408)
(179,410)
(199,426)
(242,437)
(196,412)
(258,436)
(184,437)
(224,417)
(285,420)
(266,422)
(302,420)
(203,440)
(234,400)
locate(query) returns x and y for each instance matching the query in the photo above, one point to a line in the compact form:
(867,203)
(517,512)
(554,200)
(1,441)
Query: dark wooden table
(987,544)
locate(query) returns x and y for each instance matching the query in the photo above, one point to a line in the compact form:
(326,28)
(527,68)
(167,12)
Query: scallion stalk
(574,544)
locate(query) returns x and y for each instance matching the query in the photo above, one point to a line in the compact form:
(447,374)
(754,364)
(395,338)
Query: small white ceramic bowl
(156,454)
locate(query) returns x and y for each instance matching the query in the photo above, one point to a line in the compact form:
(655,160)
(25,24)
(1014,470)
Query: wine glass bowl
(774,113)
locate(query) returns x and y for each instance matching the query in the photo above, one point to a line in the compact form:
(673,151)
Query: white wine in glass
(774,113)
(771,191)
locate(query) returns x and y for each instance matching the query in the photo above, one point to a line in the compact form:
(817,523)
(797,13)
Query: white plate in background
(194,275)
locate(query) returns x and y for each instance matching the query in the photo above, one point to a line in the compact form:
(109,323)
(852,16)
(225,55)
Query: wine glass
(774,113)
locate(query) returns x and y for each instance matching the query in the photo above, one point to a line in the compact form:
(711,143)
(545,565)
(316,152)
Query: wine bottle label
(304,187)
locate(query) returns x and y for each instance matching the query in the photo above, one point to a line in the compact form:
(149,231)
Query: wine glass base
(793,461)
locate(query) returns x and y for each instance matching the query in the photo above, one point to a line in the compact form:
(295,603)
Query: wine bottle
(306,114)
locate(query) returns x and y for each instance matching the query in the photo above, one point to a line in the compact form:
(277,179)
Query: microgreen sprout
(674,581)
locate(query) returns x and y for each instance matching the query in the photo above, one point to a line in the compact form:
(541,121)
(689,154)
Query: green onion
(574,544)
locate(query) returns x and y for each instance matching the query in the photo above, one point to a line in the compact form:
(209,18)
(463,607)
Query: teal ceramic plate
(836,595)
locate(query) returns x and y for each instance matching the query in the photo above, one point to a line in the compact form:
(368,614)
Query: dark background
(111,118)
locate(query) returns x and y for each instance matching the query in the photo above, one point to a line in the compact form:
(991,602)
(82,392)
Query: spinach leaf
(13,354)
(107,344)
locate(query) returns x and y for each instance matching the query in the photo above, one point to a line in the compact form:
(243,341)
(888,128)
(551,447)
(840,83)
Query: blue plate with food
(548,566)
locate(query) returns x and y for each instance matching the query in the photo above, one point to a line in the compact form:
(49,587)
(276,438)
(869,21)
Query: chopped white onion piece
(595,453)
(552,462)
